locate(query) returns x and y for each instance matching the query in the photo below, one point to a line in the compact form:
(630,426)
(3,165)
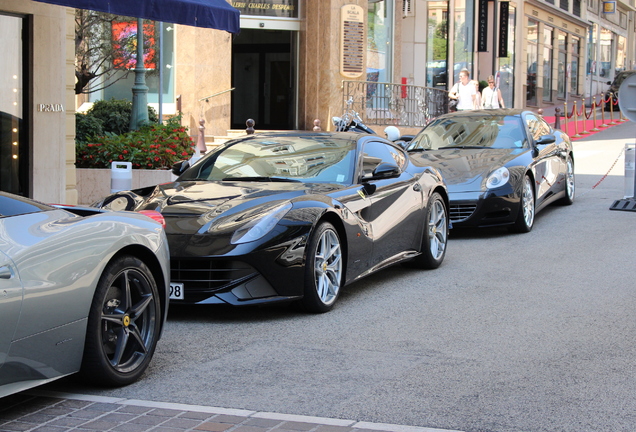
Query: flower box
(94,183)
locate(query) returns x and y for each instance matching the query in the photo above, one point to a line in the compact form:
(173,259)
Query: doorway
(263,77)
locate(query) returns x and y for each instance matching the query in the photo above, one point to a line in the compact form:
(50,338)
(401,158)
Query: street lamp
(140,89)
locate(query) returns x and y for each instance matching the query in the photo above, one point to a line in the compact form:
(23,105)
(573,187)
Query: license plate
(176,291)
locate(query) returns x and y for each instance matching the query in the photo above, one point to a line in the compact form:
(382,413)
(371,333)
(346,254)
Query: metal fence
(394,104)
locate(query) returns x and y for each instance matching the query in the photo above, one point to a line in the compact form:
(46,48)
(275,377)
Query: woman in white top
(491,96)
(464,91)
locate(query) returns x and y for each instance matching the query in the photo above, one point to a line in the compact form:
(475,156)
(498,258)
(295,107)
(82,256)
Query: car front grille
(205,275)
(461,212)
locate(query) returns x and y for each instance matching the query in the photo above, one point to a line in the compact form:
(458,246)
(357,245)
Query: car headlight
(259,226)
(498,178)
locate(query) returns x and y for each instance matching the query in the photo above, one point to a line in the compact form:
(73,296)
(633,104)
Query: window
(548,34)
(561,66)
(604,67)
(506,64)
(376,153)
(464,31)
(574,64)
(437,46)
(532,59)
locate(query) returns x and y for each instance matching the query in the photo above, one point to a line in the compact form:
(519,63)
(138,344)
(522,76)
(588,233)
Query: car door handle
(5,273)
(417,187)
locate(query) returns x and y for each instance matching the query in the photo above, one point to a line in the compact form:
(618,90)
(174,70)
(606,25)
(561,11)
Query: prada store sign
(272,8)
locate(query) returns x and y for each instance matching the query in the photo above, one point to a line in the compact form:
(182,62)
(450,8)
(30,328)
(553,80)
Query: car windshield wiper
(261,179)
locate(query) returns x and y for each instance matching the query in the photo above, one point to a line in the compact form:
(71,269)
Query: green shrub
(115,115)
(153,146)
(87,127)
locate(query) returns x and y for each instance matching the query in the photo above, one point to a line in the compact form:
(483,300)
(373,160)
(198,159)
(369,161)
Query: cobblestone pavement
(42,411)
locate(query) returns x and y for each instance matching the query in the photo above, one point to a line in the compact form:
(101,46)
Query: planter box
(93,184)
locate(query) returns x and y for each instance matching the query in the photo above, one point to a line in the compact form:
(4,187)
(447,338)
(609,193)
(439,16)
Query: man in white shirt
(464,91)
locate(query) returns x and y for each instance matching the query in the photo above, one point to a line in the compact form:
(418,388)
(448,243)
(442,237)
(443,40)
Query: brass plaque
(352,41)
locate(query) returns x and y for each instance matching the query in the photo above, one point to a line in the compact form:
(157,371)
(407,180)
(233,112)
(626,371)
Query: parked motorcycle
(351,122)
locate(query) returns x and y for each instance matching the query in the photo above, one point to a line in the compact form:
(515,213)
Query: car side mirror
(386,170)
(609,83)
(546,139)
(180,167)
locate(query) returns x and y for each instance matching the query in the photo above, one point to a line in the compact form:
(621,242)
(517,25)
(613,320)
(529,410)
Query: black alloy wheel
(123,324)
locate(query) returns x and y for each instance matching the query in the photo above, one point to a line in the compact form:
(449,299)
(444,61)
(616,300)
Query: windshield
(308,158)
(476,131)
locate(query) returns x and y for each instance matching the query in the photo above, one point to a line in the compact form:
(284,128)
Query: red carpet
(582,126)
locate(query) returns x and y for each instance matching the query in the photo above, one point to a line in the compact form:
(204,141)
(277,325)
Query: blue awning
(215,14)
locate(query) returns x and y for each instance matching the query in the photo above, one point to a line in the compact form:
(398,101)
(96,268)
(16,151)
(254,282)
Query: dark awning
(216,14)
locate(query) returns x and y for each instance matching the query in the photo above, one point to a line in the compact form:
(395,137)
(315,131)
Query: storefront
(554,46)
(37,152)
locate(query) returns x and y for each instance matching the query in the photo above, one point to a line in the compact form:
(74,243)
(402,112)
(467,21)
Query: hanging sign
(609,7)
(503,28)
(352,43)
(482,26)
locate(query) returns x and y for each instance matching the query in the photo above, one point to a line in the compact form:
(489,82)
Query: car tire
(123,324)
(568,199)
(324,269)
(435,237)
(525,217)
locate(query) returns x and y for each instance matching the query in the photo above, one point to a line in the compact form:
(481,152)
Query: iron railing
(394,104)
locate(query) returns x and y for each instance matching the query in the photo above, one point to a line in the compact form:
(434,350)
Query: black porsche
(500,166)
(294,216)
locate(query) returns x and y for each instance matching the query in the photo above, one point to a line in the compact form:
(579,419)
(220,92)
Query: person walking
(478,101)
(491,95)
(464,91)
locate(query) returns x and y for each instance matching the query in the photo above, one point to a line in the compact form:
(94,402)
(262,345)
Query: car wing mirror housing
(180,167)
(386,170)
(546,139)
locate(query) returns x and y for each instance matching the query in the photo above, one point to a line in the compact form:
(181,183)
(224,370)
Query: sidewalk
(44,411)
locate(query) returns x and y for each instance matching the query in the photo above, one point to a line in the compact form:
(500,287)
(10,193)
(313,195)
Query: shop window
(506,64)
(621,53)
(380,41)
(532,58)
(591,50)
(606,46)
(437,48)
(548,33)
(561,66)
(464,31)
(13,143)
(574,64)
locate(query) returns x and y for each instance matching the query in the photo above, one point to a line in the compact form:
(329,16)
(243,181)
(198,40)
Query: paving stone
(214,427)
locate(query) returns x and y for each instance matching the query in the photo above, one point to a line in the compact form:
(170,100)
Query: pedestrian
(491,95)
(464,91)
(478,102)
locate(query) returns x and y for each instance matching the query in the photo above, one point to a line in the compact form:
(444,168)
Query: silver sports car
(80,290)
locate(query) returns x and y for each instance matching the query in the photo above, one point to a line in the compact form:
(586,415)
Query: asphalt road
(514,332)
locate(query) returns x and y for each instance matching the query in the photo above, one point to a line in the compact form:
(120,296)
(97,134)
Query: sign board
(504,16)
(271,8)
(352,42)
(609,7)
(482,26)
(627,97)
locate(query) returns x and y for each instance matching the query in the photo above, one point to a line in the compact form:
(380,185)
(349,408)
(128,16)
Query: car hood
(465,169)
(198,197)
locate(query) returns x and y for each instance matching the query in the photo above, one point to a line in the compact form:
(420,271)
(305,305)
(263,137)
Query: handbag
(452,103)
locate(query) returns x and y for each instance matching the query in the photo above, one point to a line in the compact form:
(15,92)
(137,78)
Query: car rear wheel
(568,199)
(123,324)
(435,235)
(323,269)
(525,218)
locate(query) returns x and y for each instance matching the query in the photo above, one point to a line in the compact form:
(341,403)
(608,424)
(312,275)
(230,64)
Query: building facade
(287,66)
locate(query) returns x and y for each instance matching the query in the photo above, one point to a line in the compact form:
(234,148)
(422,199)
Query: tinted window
(13,205)
(537,127)
(376,152)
